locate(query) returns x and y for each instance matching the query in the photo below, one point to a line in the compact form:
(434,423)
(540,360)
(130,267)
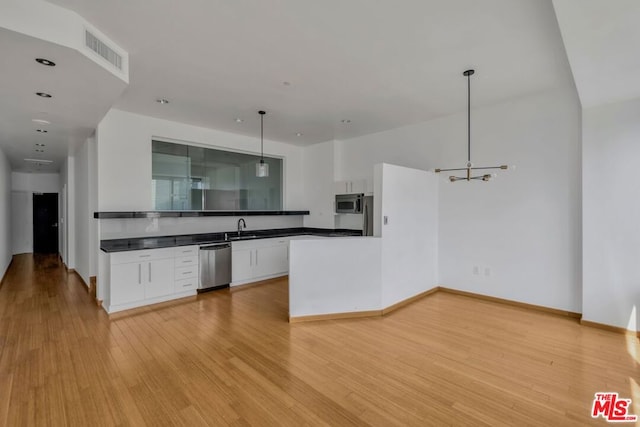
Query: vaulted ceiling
(326,70)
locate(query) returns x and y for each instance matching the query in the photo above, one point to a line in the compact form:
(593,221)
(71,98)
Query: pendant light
(470,167)
(262,168)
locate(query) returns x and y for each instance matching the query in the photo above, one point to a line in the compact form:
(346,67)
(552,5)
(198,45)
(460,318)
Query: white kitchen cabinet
(271,261)
(241,265)
(256,260)
(126,283)
(351,187)
(160,278)
(148,276)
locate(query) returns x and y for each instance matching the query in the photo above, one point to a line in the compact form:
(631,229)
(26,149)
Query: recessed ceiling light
(286,83)
(39,145)
(162,101)
(42,130)
(38,161)
(39,151)
(298,134)
(41,122)
(45,62)
(239,120)
(345,121)
(43,95)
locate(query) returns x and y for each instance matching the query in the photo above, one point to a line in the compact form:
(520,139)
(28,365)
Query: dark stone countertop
(190,214)
(138,243)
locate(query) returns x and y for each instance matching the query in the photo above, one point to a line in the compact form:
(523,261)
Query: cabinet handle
(144,256)
(139,274)
(256,257)
(187,272)
(149,272)
(251,259)
(287,253)
(188,284)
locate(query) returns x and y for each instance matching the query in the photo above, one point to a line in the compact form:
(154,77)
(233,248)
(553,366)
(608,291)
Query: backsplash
(146,227)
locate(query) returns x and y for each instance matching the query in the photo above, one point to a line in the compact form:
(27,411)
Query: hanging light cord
(469,117)
(262,113)
(469,167)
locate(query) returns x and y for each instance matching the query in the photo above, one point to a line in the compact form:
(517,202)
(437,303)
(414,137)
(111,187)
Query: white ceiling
(82,94)
(601,39)
(381,65)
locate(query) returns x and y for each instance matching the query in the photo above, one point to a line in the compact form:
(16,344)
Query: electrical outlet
(476,270)
(487,271)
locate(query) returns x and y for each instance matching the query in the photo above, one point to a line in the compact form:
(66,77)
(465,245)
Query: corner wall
(611,208)
(522,230)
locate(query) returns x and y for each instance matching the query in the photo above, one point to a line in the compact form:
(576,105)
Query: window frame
(221,148)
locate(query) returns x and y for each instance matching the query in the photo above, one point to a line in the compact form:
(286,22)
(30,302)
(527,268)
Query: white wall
(5,214)
(318,163)
(124,158)
(143,227)
(21,223)
(23,185)
(409,200)
(524,226)
(66,184)
(372,273)
(334,275)
(82,214)
(35,182)
(611,208)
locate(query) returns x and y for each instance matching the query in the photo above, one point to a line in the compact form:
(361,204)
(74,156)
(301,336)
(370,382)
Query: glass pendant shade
(262,169)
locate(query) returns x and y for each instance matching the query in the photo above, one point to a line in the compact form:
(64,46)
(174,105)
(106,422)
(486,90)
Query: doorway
(45,223)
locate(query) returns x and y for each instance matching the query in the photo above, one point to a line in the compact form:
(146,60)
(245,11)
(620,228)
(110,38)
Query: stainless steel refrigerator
(367,216)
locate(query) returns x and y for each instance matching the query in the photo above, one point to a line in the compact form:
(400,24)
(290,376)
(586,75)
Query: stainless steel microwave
(349,203)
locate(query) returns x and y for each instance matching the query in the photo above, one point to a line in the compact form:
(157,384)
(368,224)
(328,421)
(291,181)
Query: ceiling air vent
(103,50)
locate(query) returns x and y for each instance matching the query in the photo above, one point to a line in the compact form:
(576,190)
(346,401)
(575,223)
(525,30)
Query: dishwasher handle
(215,247)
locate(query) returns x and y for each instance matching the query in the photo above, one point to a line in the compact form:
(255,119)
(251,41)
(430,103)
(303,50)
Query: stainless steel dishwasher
(215,266)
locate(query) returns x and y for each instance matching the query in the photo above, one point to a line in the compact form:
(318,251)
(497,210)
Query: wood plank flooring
(231,358)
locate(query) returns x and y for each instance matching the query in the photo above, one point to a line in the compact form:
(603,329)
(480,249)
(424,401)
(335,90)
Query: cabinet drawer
(186,272)
(186,284)
(186,261)
(189,251)
(142,255)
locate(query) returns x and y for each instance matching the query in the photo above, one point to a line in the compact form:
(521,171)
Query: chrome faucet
(241,224)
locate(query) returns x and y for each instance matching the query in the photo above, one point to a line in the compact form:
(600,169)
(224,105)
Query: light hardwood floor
(231,358)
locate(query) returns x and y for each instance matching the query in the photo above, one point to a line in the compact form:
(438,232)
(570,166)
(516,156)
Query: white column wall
(5,214)
(319,195)
(611,208)
(409,201)
(82,215)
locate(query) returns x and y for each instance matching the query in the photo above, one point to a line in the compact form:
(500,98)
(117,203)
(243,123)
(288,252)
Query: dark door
(45,223)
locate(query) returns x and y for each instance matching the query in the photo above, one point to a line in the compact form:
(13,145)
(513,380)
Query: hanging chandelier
(469,168)
(262,168)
